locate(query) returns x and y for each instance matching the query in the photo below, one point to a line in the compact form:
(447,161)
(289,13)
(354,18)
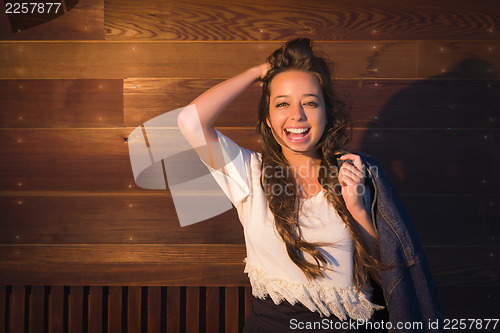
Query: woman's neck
(308,163)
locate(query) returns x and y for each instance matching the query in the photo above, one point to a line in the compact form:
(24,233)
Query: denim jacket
(409,289)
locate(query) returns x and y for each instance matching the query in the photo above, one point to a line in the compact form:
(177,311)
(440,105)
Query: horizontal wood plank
(74,20)
(428,103)
(176,253)
(443,59)
(61,103)
(153,221)
(75,154)
(285,19)
(119,60)
(474,220)
(450,266)
(463,265)
(138,253)
(474,302)
(96,160)
(119,274)
(433,155)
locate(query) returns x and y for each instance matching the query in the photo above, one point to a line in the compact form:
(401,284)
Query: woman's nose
(297,113)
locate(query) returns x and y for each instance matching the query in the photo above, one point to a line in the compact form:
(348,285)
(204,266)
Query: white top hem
(342,302)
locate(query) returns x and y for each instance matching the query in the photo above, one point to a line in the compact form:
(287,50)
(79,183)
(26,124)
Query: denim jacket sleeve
(409,288)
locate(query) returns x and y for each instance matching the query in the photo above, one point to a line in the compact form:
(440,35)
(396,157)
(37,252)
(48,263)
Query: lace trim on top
(326,300)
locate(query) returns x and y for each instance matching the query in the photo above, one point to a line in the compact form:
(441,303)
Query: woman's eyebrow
(280,96)
(305,95)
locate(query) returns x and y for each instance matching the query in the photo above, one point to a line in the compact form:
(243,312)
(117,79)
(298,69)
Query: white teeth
(297,130)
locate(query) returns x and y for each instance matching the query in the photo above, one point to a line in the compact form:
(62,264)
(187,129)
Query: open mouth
(297,133)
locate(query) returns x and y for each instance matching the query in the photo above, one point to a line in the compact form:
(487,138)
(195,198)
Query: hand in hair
(263,69)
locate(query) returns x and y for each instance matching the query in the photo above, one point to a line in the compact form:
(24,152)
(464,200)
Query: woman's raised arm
(197,119)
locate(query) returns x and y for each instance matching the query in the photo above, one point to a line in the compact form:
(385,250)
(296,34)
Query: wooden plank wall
(422,78)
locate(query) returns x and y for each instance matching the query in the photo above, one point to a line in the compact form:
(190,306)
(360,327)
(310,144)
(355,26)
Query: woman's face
(297,111)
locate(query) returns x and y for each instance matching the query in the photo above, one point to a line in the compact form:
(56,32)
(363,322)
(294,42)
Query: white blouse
(270,269)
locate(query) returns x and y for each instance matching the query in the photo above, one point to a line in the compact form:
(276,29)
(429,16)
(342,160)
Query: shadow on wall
(440,140)
(435,138)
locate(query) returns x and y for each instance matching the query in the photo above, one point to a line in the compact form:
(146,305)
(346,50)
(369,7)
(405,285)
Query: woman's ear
(268,123)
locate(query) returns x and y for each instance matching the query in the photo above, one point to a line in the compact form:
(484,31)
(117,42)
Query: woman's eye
(281,104)
(311,103)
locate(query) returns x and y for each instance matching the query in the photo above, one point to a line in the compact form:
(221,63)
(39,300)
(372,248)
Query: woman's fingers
(352,171)
(351,176)
(264,68)
(353,157)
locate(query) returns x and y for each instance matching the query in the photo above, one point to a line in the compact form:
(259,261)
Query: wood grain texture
(74,155)
(450,265)
(97,160)
(154,309)
(134,309)
(17,308)
(56,309)
(423,83)
(438,59)
(84,220)
(61,103)
(231,309)
(119,60)
(427,103)
(212,309)
(126,253)
(115,306)
(471,301)
(173,309)
(36,315)
(116,274)
(3,308)
(286,19)
(192,309)
(83,22)
(459,212)
(75,309)
(95,308)
(159,224)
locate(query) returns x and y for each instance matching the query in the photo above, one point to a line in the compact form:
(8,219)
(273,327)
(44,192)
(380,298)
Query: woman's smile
(297,134)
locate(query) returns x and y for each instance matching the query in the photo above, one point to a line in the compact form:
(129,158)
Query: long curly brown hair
(298,55)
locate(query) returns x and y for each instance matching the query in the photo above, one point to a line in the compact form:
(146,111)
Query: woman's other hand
(352,178)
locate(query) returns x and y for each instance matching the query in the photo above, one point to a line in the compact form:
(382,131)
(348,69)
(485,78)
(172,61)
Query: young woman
(311,242)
